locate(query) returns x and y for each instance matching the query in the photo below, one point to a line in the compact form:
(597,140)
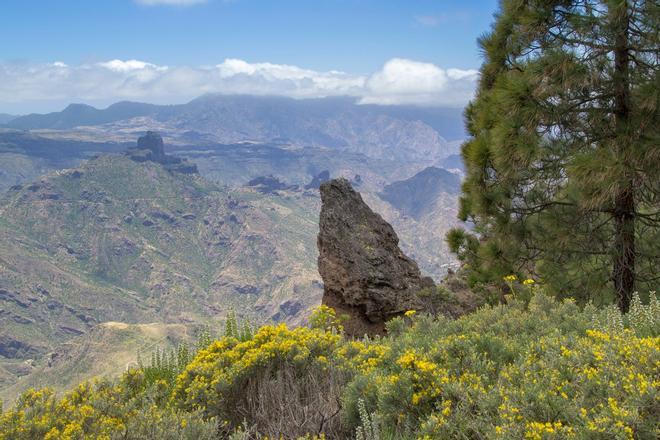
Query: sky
(420,52)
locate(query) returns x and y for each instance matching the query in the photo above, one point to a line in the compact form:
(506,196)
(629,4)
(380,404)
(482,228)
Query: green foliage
(102,410)
(325,318)
(166,365)
(643,320)
(534,369)
(276,374)
(562,176)
(368,429)
(238,330)
(515,371)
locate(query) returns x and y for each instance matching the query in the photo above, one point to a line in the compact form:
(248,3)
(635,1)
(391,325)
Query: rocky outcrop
(270,185)
(319,179)
(12,348)
(150,147)
(153,143)
(365,273)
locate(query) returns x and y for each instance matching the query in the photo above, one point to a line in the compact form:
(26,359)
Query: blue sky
(357,37)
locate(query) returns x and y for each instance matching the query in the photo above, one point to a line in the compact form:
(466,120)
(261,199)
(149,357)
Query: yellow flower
(510,278)
(528,282)
(446,405)
(410,313)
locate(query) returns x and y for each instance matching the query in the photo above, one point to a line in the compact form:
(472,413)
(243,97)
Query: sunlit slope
(116,240)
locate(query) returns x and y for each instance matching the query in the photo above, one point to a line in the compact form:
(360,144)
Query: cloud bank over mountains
(399,81)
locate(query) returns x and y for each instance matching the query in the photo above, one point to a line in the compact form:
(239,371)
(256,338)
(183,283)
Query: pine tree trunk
(623,270)
(624,249)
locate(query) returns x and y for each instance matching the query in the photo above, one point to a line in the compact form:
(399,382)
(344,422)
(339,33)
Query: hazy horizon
(171,51)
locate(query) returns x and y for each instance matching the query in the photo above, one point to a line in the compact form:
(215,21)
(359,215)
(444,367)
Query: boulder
(365,273)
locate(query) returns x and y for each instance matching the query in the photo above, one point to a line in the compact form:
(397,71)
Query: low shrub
(283,382)
(515,371)
(102,410)
(530,369)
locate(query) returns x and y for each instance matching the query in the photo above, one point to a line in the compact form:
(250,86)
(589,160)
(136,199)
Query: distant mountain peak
(416,195)
(319,179)
(270,184)
(78,106)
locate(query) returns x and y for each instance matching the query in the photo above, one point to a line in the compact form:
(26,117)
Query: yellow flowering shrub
(537,369)
(325,318)
(594,385)
(99,410)
(225,379)
(518,371)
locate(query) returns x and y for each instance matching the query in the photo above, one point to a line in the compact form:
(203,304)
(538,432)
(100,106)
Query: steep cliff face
(365,273)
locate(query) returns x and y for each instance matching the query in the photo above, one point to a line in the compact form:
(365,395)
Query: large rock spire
(365,273)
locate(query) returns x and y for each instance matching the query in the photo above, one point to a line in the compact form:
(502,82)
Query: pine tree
(563,160)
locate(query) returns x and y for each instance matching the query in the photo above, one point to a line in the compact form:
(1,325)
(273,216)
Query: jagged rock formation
(365,273)
(270,185)
(320,178)
(150,147)
(152,142)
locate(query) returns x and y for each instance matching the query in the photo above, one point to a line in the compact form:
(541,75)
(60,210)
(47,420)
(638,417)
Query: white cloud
(39,87)
(170,2)
(129,65)
(403,81)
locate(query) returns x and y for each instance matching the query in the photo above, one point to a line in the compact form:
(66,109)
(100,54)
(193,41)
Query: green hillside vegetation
(539,369)
(117,240)
(106,350)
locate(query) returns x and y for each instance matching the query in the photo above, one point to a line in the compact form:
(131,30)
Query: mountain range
(4,118)
(268,115)
(94,229)
(120,240)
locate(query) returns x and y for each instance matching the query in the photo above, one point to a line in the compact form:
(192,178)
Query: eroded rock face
(364,272)
(154,143)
